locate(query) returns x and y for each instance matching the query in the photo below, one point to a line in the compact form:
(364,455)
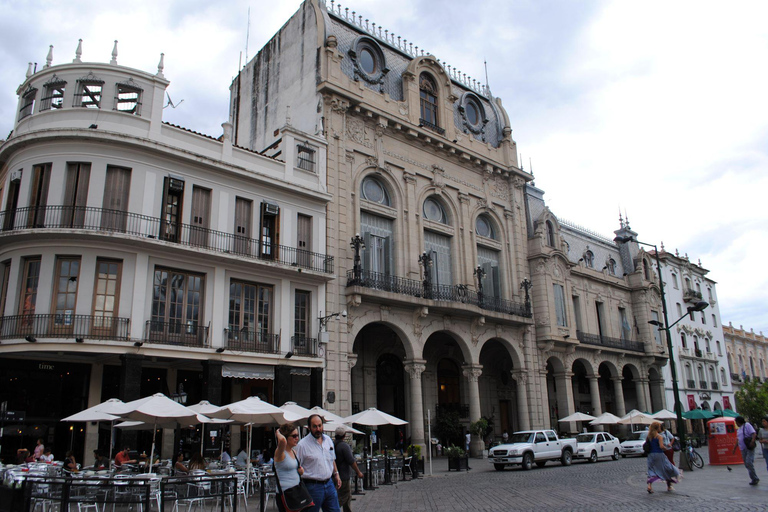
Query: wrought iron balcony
(85,327)
(736,377)
(605,341)
(455,293)
(133,224)
(246,340)
(703,384)
(698,353)
(304,346)
(461,409)
(431,126)
(183,334)
(691,295)
(715,386)
(691,383)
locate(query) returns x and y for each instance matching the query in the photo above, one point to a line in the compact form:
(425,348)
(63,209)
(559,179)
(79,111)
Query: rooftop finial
(78,52)
(662,245)
(161,66)
(288,115)
(114,55)
(621,219)
(49,57)
(626,218)
(29,70)
(699,261)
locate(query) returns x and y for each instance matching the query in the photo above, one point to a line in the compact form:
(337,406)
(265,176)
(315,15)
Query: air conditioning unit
(271,209)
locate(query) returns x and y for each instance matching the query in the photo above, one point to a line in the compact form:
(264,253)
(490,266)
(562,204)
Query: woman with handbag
(659,467)
(292,495)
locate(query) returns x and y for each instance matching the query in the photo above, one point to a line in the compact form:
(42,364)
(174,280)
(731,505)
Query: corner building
(139,257)
(422,166)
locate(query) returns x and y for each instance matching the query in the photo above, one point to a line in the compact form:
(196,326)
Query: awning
(248,371)
(301,371)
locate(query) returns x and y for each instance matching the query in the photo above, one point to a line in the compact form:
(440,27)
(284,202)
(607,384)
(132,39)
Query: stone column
(642,405)
(523,415)
(472,373)
(565,405)
(594,391)
(415,367)
(618,390)
(212,381)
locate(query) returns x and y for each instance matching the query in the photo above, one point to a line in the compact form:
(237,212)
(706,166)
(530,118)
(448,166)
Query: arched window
(612,266)
(589,259)
(696,343)
(723,378)
(719,348)
(550,234)
(428,95)
(448,382)
(762,369)
(708,345)
(688,372)
(646,270)
(683,341)
(741,364)
(434,211)
(674,281)
(438,243)
(484,227)
(687,284)
(752,367)
(712,375)
(702,379)
(373,190)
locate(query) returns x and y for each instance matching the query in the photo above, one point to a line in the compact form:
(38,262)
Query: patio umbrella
(579,416)
(698,414)
(605,419)
(664,414)
(725,413)
(636,417)
(105,411)
(333,425)
(373,417)
(302,413)
(205,407)
(155,409)
(327,415)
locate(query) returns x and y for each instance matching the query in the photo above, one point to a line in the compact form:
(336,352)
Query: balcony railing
(432,126)
(304,346)
(698,353)
(454,293)
(715,386)
(703,384)
(736,377)
(245,340)
(691,295)
(691,383)
(116,221)
(183,334)
(461,409)
(86,327)
(605,341)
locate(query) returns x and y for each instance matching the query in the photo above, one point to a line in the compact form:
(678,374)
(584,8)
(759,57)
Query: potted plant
(457,458)
(479,428)
(416,461)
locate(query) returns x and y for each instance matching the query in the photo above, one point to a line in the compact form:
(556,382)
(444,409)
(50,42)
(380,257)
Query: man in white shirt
(242,458)
(316,455)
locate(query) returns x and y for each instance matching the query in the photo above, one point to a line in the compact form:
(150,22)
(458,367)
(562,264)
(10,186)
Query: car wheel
(541,463)
(499,467)
(527,461)
(615,454)
(566,458)
(593,456)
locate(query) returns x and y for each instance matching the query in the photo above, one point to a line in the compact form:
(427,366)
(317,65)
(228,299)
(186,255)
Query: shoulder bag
(294,498)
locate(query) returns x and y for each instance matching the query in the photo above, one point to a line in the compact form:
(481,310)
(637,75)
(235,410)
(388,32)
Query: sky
(657,109)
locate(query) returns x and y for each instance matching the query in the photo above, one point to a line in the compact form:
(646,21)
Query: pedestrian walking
(659,467)
(747,442)
(762,437)
(344,462)
(318,458)
(669,439)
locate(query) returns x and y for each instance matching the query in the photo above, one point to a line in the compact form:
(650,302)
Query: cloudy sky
(657,108)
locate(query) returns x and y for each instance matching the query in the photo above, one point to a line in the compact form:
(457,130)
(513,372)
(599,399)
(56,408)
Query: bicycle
(693,455)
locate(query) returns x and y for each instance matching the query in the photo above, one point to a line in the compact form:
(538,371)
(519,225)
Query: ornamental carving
(473,373)
(518,182)
(339,105)
(520,376)
(356,129)
(415,369)
(500,188)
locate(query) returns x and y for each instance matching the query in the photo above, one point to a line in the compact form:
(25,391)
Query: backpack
(647,447)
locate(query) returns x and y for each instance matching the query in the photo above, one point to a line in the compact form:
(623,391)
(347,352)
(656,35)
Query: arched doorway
(445,387)
(498,389)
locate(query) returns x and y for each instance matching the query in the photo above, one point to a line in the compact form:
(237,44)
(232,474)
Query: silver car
(634,444)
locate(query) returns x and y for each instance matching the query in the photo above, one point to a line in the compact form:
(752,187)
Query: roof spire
(49,57)
(487,85)
(114,55)
(78,52)
(621,219)
(161,66)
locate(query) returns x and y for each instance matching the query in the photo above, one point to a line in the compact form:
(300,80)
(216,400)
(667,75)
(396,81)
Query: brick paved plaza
(606,485)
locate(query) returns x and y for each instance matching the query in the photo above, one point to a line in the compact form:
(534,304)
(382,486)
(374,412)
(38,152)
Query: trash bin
(722,438)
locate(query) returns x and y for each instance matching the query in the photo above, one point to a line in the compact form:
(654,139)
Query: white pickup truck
(531,446)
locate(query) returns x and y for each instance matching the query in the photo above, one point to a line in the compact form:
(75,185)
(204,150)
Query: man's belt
(313,481)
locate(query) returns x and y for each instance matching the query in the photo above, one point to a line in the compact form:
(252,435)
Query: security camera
(344,313)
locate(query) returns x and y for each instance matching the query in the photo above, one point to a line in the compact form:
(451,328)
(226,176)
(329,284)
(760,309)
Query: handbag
(647,447)
(676,445)
(751,444)
(294,498)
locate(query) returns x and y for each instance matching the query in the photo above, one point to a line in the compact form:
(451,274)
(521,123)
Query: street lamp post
(357,243)
(479,273)
(685,462)
(425,260)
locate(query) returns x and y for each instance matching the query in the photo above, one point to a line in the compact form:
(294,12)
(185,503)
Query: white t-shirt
(316,459)
(47,458)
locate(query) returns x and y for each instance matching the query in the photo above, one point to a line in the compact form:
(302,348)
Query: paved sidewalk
(613,485)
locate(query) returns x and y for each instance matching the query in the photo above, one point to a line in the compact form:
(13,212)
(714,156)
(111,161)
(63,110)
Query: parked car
(634,444)
(529,446)
(595,445)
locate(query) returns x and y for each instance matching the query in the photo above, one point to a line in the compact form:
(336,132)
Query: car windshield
(585,438)
(638,436)
(521,437)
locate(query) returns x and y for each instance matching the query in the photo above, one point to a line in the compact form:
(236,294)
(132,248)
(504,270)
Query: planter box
(11,500)
(458,463)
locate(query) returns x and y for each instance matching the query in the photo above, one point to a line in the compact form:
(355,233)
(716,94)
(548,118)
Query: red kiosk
(722,438)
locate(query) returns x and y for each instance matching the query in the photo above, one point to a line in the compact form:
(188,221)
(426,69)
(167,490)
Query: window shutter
(367,251)
(387,255)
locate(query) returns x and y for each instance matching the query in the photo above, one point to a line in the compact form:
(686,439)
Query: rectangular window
(65,291)
(5,275)
(626,330)
(128,98)
(106,293)
(269,231)
(116,191)
(305,157)
(170,216)
(489,262)
(600,318)
(53,95)
(674,282)
(41,176)
(577,312)
(304,240)
(12,202)
(88,93)
(27,103)
(703,318)
(656,331)
(177,299)
(29,282)
(714,321)
(377,234)
(250,311)
(76,194)
(200,215)
(243,215)
(679,310)
(560,305)
(302,307)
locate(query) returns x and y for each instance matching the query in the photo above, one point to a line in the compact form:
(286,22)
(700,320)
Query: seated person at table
(23,456)
(263,457)
(123,457)
(99,461)
(70,464)
(242,458)
(196,462)
(225,457)
(47,456)
(179,466)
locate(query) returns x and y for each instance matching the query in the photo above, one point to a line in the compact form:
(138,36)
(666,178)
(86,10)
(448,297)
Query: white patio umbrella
(105,411)
(327,415)
(155,409)
(302,413)
(605,419)
(578,416)
(664,414)
(333,425)
(373,417)
(636,417)
(205,407)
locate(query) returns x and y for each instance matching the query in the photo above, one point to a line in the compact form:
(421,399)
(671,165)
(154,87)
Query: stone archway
(656,390)
(499,389)
(559,401)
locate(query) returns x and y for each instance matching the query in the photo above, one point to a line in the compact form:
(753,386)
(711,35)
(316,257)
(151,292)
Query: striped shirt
(316,459)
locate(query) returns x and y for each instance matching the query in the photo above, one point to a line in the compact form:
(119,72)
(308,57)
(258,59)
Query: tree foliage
(752,400)
(448,428)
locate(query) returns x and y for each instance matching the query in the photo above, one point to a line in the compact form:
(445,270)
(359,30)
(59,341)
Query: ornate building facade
(747,353)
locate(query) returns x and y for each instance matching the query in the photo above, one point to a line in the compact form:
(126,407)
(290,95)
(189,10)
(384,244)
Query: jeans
(324,496)
(749,463)
(765,456)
